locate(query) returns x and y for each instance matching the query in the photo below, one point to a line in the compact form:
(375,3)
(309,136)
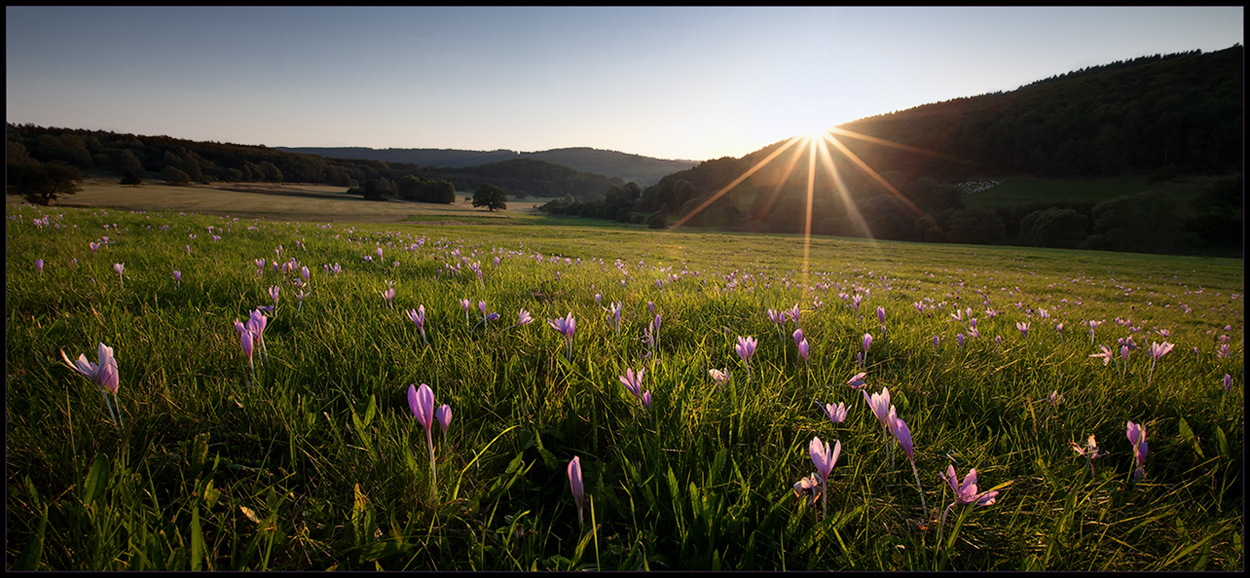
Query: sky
(673,83)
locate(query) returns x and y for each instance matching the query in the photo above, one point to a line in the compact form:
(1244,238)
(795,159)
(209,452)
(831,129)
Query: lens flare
(819,155)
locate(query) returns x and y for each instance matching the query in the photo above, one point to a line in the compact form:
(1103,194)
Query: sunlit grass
(322,465)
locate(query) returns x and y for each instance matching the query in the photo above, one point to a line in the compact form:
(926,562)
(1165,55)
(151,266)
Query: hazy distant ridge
(629,167)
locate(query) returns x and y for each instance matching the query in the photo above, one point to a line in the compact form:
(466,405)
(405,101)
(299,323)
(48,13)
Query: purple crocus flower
(418,317)
(104,373)
(966,491)
(388,295)
(879,403)
(119,267)
(1157,350)
(824,460)
(881,316)
(1228,383)
(523,318)
(273,293)
(899,429)
(1137,437)
(745,347)
(867,341)
(798,336)
(421,402)
(39,266)
(646,400)
(615,310)
(1023,326)
(959,339)
(178,277)
(857,381)
(793,313)
(567,327)
(803,350)
(633,382)
(836,413)
(443,415)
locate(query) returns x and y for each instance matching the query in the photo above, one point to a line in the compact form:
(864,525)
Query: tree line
(182,162)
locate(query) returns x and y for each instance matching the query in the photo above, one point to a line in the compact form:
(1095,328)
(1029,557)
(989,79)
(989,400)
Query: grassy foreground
(314,459)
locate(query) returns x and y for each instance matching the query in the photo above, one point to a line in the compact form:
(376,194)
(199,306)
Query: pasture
(291,442)
(1031,190)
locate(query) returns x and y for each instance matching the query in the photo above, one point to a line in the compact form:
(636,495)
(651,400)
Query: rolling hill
(628,167)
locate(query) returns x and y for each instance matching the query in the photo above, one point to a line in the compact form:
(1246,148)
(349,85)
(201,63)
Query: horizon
(668,83)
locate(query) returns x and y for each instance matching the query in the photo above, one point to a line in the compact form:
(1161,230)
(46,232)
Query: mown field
(305,454)
(1015,191)
(287,201)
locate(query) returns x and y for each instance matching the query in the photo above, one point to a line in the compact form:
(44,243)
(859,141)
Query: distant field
(293,201)
(1027,190)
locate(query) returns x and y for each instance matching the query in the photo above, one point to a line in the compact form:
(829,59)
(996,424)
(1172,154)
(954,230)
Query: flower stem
(429,439)
(923,506)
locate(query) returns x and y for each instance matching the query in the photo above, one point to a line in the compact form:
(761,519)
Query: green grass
(321,465)
(1029,190)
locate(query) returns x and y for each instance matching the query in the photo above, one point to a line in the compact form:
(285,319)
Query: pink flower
(966,491)
(443,415)
(745,347)
(523,318)
(633,382)
(1137,437)
(1106,355)
(1158,350)
(879,403)
(421,402)
(104,374)
(857,381)
(273,293)
(823,459)
(719,376)
(867,341)
(793,313)
(836,413)
(899,429)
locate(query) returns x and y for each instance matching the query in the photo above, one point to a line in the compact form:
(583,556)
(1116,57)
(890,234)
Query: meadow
(266,408)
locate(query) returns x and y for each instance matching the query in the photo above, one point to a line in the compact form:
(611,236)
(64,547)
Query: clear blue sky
(689,83)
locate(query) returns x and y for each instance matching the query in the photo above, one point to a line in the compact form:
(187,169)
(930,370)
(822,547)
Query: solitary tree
(131,178)
(42,184)
(491,197)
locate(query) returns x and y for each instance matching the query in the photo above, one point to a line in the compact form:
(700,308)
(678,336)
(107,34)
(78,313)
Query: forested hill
(180,161)
(1153,119)
(1177,113)
(627,167)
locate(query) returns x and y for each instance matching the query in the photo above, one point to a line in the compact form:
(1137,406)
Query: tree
(491,197)
(408,187)
(42,184)
(174,176)
(131,178)
(372,190)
